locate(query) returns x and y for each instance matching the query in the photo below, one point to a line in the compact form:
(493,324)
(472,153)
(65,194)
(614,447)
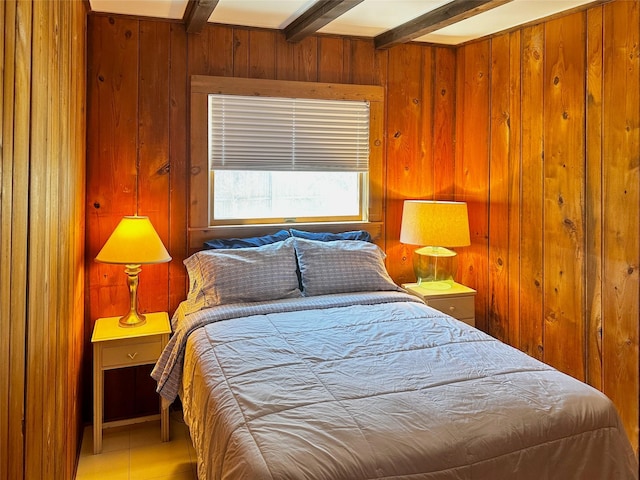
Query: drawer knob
(452,308)
(132,356)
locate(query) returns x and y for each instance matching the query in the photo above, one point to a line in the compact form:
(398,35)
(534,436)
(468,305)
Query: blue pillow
(229,243)
(362,235)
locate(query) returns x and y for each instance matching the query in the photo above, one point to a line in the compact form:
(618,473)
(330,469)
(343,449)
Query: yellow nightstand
(119,347)
(457,301)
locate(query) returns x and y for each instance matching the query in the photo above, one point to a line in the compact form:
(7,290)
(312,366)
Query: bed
(301,359)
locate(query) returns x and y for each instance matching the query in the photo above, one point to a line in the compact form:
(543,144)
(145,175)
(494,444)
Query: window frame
(199,228)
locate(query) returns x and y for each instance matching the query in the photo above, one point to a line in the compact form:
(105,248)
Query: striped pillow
(219,277)
(341,266)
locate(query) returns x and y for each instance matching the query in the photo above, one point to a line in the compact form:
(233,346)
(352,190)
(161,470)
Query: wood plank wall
(137,156)
(42,176)
(548,148)
(529,128)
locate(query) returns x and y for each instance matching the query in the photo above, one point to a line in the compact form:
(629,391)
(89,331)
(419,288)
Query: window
(329,196)
(277,197)
(277,160)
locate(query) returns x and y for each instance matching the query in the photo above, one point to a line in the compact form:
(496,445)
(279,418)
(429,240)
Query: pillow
(362,235)
(256,274)
(223,243)
(341,266)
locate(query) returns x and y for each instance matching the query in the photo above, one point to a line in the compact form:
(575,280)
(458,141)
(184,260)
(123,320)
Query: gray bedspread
(346,389)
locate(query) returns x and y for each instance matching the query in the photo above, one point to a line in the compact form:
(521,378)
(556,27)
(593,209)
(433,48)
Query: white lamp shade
(134,242)
(435,223)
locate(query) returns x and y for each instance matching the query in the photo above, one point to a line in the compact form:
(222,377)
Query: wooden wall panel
(39,378)
(621,209)
(262,54)
(593,214)
(498,263)
(564,196)
(178,163)
(414,115)
(514,200)
(572,188)
(240,51)
(301,61)
(330,59)
(473,95)
(14,205)
(366,66)
(444,94)
(112,157)
(42,237)
(530,284)
(152,162)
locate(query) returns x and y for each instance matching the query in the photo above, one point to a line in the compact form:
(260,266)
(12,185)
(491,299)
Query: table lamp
(435,226)
(133,243)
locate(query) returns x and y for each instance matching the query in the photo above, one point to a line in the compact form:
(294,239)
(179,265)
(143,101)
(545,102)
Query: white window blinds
(275,134)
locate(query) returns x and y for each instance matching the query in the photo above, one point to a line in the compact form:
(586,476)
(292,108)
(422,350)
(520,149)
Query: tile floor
(135,452)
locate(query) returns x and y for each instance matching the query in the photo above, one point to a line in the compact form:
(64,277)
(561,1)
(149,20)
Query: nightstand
(119,347)
(457,301)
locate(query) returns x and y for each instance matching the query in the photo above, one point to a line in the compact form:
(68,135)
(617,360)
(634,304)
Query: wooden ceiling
(424,20)
(325,11)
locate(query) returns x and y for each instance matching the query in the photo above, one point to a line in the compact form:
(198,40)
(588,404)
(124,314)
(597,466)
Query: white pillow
(341,266)
(218,277)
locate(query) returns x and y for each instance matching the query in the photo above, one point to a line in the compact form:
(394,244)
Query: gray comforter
(348,388)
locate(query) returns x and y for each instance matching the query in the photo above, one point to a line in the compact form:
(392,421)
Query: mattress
(378,385)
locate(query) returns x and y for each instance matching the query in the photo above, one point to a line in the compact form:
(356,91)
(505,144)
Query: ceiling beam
(197,13)
(453,12)
(316,17)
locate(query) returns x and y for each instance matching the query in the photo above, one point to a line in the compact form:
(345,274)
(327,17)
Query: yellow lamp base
(434,267)
(132,319)
(433,285)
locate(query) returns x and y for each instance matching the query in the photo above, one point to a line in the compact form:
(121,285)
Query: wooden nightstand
(457,301)
(119,347)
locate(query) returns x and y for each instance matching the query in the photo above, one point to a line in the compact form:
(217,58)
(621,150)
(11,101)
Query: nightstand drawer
(460,307)
(133,353)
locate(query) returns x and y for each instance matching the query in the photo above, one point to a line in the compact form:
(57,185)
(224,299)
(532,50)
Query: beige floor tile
(117,438)
(144,434)
(87,441)
(111,465)
(160,459)
(113,439)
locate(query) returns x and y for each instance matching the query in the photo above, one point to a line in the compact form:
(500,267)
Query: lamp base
(434,267)
(433,285)
(132,319)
